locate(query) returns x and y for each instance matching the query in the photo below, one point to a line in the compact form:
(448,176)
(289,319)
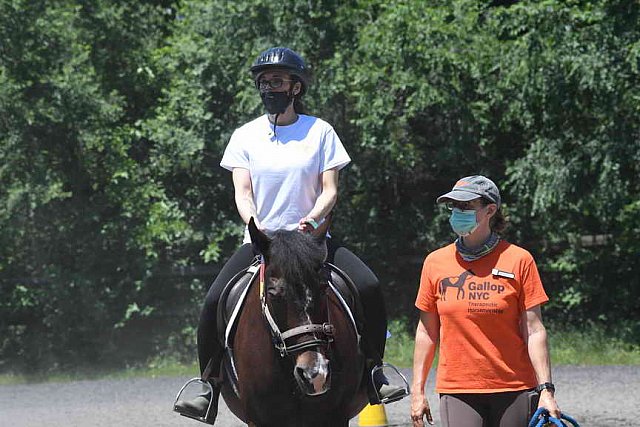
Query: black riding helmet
(282,57)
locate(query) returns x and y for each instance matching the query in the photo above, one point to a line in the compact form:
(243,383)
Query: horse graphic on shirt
(458,283)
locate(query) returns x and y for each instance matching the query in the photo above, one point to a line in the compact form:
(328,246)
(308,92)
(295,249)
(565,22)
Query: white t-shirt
(286,167)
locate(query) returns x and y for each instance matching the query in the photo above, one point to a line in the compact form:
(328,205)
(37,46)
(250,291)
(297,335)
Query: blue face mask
(462,222)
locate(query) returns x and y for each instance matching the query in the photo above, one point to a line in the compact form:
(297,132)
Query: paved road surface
(600,396)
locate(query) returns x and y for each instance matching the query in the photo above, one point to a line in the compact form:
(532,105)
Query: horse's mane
(297,256)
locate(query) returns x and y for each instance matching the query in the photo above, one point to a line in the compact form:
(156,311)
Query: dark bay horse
(295,350)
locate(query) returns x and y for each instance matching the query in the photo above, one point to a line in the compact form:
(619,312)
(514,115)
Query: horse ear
(320,233)
(259,240)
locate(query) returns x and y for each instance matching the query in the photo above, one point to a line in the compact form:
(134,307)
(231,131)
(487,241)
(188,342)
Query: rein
(280,338)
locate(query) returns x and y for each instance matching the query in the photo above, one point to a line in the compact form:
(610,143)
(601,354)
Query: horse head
(293,285)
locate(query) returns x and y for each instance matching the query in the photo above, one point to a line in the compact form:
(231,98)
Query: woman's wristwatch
(545,386)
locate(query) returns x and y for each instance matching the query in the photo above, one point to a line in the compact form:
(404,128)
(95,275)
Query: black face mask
(275,102)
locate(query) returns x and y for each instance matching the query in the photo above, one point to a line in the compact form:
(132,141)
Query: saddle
(234,295)
(231,301)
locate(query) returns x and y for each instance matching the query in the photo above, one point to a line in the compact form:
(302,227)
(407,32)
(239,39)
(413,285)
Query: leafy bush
(114,115)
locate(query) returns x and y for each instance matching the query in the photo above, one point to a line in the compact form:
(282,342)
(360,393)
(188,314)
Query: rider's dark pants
(364,279)
(375,314)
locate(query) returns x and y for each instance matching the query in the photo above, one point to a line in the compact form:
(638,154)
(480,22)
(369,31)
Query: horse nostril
(300,372)
(306,374)
(313,379)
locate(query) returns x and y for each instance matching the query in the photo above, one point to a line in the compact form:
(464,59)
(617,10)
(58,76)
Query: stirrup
(406,390)
(206,384)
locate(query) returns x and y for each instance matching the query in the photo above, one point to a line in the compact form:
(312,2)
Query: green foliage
(84,224)
(591,344)
(114,116)
(400,344)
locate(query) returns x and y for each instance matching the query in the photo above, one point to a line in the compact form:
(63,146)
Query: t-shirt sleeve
(532,290)
(426,299)
(235,155)
(333,155)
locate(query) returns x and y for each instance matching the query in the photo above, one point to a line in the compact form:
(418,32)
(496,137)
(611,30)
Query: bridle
(279,338)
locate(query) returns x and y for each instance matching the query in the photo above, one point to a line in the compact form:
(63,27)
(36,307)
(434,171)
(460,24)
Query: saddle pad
(348,294)
(231,301)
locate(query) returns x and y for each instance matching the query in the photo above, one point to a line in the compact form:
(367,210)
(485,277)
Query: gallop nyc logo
(479,294)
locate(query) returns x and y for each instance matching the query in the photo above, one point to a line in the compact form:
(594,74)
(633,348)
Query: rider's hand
(548,401)
(307,225)
(420,408)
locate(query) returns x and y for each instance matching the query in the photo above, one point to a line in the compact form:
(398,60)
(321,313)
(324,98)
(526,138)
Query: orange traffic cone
(373,416)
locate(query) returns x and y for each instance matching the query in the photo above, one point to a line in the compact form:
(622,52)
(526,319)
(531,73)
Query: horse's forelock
(297,257)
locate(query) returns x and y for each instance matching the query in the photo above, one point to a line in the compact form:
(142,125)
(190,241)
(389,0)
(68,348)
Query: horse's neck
(464,276)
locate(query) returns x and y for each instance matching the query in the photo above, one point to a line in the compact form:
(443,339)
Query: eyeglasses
(466,206)
(274,83)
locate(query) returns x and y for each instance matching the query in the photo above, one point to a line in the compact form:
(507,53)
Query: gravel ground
(597,396)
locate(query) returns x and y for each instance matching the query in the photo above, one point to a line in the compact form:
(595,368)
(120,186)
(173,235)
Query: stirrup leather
(406,390)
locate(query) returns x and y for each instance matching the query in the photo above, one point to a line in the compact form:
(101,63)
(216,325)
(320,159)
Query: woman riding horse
(285,168)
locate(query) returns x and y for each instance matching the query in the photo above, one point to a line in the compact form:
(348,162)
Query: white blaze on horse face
(308,303)
(312,372)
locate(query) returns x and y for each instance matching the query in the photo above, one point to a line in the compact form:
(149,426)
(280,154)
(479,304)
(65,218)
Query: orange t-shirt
(480,304)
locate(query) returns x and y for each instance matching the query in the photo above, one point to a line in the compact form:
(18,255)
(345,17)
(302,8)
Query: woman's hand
(548,401)
(420,408)
(307,225)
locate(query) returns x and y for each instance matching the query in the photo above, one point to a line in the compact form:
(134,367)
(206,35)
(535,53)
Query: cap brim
(458,195)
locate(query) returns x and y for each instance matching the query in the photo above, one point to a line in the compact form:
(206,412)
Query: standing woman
(285,167)
(479,299)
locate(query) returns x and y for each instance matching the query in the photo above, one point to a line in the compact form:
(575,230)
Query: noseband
(280,338)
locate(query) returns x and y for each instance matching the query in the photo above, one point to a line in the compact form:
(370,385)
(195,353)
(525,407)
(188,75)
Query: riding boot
(198,406)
